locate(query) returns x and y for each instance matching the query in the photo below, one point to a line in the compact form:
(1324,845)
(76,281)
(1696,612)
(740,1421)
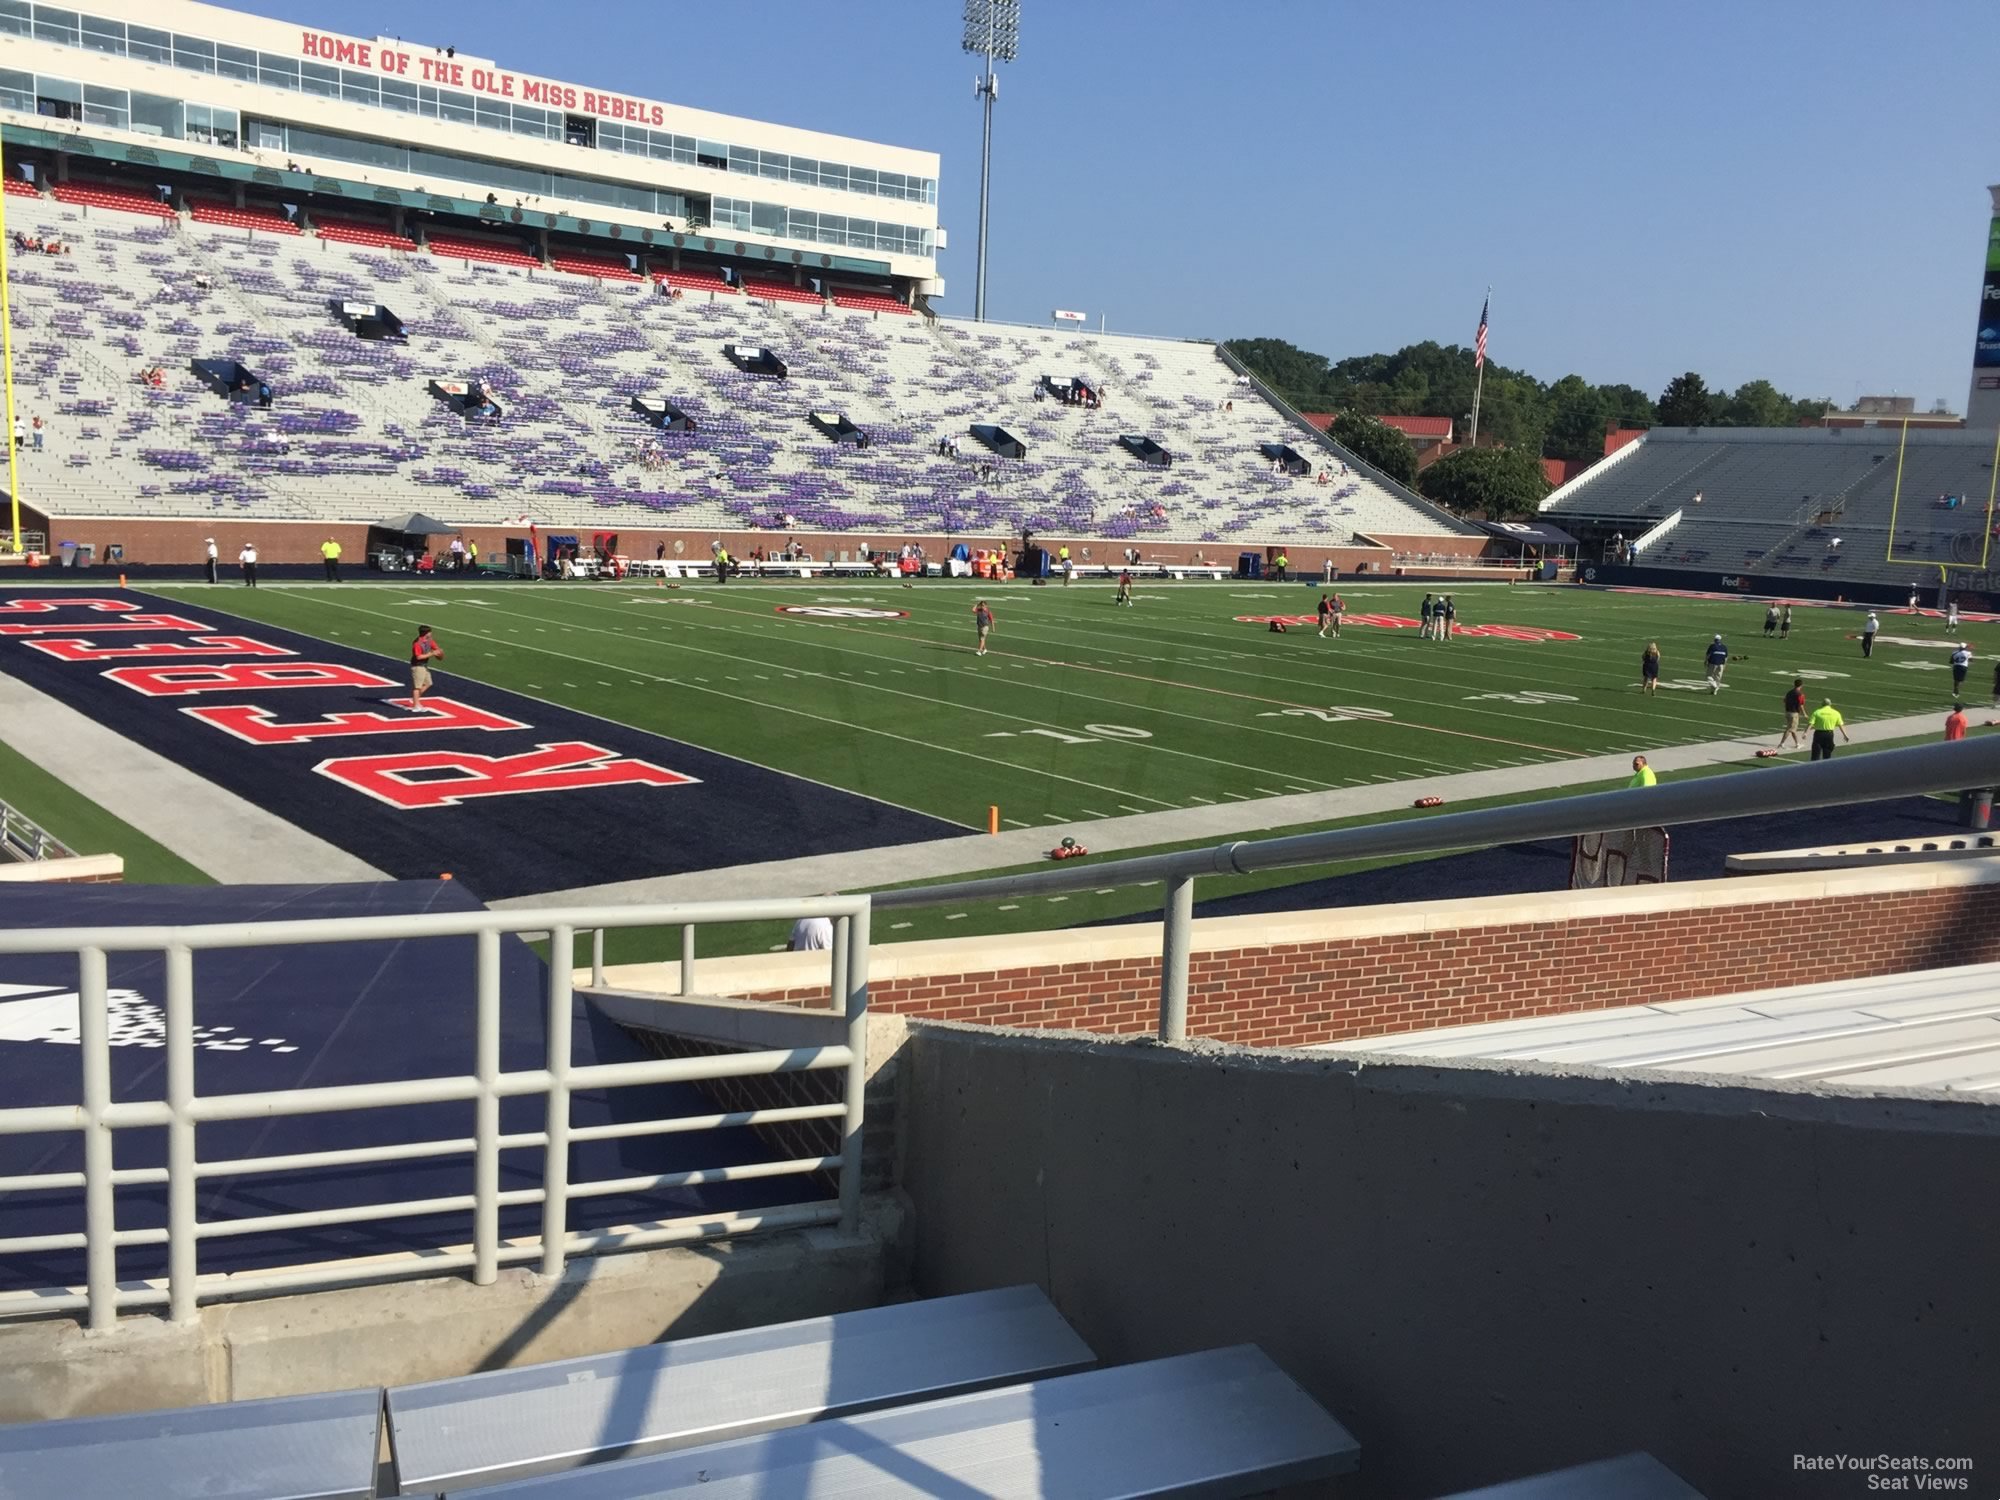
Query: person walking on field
(1868,629)
(1795,710)
(982,622)
(1716,658)
(1785,624)
(215,566)
(1649,668)
(423,651)
(1125,587)
(1961,663)
(329,554)
(248,559)
(1446,617)
(1425,611)
(1329,615)
(1771,621)
(1951,615)
(1825,719)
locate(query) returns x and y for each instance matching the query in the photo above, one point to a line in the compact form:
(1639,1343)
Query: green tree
(1757,403)
(1578,415)
(1685,402)
(1630,406)
(1377,443)
(1494,482)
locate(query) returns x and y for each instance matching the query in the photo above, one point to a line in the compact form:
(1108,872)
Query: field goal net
(1632,856)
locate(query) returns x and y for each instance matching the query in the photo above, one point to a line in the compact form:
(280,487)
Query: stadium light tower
(992,31)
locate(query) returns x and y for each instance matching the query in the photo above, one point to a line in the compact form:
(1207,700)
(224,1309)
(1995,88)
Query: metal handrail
(1794,788)
(25,837)
(96,1116)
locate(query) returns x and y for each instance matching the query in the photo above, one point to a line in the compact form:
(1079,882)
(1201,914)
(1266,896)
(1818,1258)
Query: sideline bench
(452,1435)
(287,1448)
(1634,1476)
(1221,1424)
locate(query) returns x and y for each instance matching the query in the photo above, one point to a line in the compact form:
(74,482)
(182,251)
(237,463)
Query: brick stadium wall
(1319,977)
(181,542)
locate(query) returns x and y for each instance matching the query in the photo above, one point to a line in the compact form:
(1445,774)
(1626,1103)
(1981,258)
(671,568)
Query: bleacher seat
(20,187)
(123,200)
(348,232)
(288,1448)
(781,291)
(1635,1476)
(1219,1424)
(578,264)
(449,1435)
(694,281)
(871,302)
(356,434)
(457,247)
(269,220)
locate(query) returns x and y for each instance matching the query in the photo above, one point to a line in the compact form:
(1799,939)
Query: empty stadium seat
(449,1435)
(694,281)
(871,302)
(781,291)
(124,200)
(578,263)
(20,187)
(1224,1423)
(456,247)
(289,1448)
(270,220)
(352,233)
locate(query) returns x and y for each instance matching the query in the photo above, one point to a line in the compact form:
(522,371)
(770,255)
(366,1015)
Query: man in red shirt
(1795,708)
(1954,724)
(423,651)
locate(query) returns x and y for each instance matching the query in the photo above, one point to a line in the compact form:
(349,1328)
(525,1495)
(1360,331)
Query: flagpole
(1479,385)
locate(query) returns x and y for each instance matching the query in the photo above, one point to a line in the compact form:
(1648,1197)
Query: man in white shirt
(1868,630)
(248,557)
(458,554)
(214,561)
(811,935)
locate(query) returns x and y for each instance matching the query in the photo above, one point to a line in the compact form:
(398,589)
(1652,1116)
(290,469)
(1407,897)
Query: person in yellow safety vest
(1642,774)
(723,563)
(1283,564)
(329,554)
(1824,720)
(1062,562)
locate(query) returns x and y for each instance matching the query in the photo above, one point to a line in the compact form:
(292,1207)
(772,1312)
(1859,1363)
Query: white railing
(1563,491)
(26,839)
(97,1118)
(1654,533)
(1863,778)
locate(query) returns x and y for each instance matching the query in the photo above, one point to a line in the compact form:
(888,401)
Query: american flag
(1479,345)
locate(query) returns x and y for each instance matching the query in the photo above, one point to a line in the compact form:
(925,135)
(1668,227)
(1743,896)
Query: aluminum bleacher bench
(288,1448)
(1221,1424)
(1634,1476)
(448,1436)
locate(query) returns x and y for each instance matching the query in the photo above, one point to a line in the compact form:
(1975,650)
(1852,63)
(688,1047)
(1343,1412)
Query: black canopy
(416,523)
(1528,533)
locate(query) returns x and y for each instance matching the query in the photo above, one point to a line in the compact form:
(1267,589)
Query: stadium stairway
(988,1393)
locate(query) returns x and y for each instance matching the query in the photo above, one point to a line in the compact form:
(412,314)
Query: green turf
(87,828)
(1084,710)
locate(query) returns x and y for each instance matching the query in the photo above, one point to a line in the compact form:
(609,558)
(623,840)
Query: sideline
(219,833)
(984,854)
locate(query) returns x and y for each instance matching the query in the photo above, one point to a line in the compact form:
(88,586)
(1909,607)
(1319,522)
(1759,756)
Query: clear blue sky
(1788,190)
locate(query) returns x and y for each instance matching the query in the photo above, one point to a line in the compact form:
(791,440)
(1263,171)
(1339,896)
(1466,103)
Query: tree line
(1566,419)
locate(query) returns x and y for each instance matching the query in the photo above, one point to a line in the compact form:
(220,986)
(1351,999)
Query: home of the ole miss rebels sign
(448,71)
(512,794)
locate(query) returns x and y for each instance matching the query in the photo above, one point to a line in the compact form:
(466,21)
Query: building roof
(1936,1029)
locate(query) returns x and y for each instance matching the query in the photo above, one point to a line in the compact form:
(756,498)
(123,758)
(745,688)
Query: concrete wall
(444,1326)
(1302,978)
(1485,1272)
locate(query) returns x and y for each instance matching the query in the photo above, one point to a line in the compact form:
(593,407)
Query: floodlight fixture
(992,31)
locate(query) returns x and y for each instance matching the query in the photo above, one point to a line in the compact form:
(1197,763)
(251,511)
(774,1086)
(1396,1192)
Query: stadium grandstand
(1868,512)
(1315,1001)
(565,298)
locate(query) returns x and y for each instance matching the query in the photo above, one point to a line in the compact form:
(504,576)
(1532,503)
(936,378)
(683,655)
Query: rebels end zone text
(405,779)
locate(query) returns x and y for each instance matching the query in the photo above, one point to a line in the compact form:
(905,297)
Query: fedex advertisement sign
(513,794)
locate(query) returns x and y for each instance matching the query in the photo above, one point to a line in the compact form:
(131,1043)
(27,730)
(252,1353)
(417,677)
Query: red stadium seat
(20,187)
(870,302)
(582,264)
(270,220)
(454,248)
(123,200)
(694,281)
(781,291)
(361,234)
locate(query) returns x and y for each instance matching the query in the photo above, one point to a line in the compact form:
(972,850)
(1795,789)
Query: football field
(1083,710)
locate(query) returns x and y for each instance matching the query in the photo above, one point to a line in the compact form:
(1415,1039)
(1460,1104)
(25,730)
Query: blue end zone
(503,846)
(287,1018)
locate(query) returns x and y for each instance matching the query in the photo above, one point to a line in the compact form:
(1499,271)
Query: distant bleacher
(353,435)
(1774,501)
